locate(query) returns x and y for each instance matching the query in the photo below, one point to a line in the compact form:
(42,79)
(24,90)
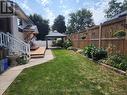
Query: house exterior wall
(10,24)
(5,24)
(14,28)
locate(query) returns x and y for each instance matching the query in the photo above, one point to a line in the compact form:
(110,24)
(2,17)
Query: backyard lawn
(68,74)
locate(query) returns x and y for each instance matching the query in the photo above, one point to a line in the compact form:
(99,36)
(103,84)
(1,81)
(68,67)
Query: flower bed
(95,53)
(115,62)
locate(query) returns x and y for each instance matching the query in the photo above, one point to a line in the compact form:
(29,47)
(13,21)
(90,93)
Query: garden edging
(108,66)
(114,69)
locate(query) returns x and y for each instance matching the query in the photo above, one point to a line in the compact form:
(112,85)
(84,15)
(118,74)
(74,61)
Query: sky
(50,9)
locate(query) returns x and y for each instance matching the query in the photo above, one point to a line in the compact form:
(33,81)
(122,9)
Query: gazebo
(54,34)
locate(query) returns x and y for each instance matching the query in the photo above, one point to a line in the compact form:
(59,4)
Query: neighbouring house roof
(31,28)
(120,17)
(117,18)
(94,27)
(122,14)
(55,34)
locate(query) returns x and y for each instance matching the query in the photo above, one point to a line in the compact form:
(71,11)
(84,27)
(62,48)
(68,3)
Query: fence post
(126,19)
(123,48)
(100,30)
(78,39)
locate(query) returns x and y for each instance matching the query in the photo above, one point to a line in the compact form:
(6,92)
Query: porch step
(38,53)
(37,56)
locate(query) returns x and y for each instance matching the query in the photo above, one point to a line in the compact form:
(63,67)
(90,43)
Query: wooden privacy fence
(102,36)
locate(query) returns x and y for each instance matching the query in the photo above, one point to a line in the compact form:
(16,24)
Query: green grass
(68,74)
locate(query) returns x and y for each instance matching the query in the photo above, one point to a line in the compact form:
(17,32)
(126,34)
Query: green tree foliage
(42,24)
(59,24)
(124,6)
(70,29)
(80,20)
(114,8)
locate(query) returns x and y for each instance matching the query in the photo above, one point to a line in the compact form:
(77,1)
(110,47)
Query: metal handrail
(16,38)
(13,44)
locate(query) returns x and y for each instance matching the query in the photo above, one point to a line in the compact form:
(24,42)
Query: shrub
(67,44)
(87,50)
(98,54)
(117,61)
(119,34)
(95,53)
(22,59)
(54,43)
(57,42)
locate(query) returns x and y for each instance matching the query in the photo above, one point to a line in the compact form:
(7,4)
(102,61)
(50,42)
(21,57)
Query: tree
(80,20)
(59,24)
(114,9)
(69,29)
(124,5)
(42,25)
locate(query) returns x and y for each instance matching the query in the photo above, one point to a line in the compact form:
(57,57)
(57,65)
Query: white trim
(5,16)
(14,45)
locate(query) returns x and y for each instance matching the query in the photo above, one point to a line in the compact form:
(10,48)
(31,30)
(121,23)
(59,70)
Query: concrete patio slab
(10,75)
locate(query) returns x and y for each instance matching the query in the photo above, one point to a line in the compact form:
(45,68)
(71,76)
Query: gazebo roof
(55,34)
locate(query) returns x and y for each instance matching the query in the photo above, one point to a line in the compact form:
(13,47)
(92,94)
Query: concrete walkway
(10,75)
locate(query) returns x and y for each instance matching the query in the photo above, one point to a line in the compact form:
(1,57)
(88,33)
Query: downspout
(78,39)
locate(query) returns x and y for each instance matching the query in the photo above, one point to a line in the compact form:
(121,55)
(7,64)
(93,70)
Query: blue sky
(50,9)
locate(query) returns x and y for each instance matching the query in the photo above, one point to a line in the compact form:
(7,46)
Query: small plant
(117,61)
(54,43)
(22,59)
(119,34)
(67,44)
(87,50)
(95,53)
(57,42)
(98,54)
